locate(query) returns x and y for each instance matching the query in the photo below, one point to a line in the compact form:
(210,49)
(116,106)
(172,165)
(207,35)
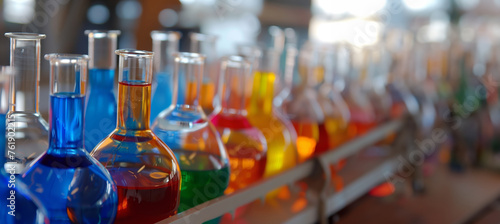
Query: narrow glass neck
(233,85)
(66,122)
(68,75)
(101,79)
(102,46)
(134,89)
(290,63)
(188,70)
(233,99)
(165,44)
(190,97)
(261,101)
(134,104)
(25,58)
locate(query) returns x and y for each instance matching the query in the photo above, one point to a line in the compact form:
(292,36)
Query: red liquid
(146,205)
(142,199)
(323,143)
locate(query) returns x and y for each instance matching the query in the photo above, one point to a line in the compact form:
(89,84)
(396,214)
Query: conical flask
(19,205)
(32,131)
(74,187)
(193,139)
(144,169)
(165,45)
(101,101)
(245,144)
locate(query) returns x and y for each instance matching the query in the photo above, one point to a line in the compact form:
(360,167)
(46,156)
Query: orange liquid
(247,157)
(307,138)
(244,170)
(207,96)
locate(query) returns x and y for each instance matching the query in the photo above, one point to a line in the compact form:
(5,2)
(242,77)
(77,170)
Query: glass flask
(101,101)
(302,108)
(27,208)
(281,150)
(32,131)
(193,139)
(363,116)
(375,81)
(74,187)
(245,144)
(331,99)
(144,169)
(165,44)
(206,44)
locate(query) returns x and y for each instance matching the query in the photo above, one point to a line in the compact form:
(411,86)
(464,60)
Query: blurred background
(435,24)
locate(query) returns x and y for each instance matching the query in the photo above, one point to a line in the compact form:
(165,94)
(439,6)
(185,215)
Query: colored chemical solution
(72,185)
(142,166)
(202,178)
(27,209)
(281,151)
(361,122)
(100,108)
(323,143)
(142,198)
(193,139)
(207,97)
(162,94)
(307,138)
(246,148)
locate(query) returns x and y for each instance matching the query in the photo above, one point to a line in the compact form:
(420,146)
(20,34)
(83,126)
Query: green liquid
(204,177)
(199,186)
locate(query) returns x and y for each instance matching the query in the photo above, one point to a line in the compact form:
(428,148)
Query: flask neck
(261,101)
(66,123)
(134,106)
(25,58)
(233,95)
(101,79)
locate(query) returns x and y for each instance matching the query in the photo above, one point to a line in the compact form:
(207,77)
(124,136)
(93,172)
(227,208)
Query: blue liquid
(162,93)
(26,208)
(101,107)
(72,185)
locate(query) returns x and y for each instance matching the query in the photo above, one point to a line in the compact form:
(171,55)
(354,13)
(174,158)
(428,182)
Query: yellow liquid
(281,150)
